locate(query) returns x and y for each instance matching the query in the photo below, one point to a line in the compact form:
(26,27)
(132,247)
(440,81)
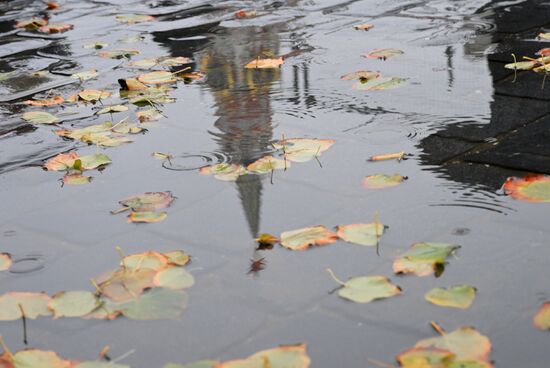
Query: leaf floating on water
(72,160)
(147,217)
(164,61)
(362,234)
(174,278)
(242,14)
(531,188)
(46,102)
(131,84)
(33,304)
(32,23)
(363,27)
(147,260)
(383,54)
(124,285)
(76,179)
(541,319)
(285,356)
(365,289)
(199,364)
(156,303)
(134,18)
(267,164)
(39,359)
(191,76)
(380,84)
(55,28)
(40,117)
(92,95)
(161,155)
(426,358)
(544,36)
(148,115)
(466,343)
(522,65)
(119,53)
(224,172)
(96,45)
(362,75)
(303,149)
(157,77)
(88,74)
(73,303)
(267,239)
(460,296)
(380,181)
(423,259)
(96,364)
(389,156)
(149,201)
(112,109)
(304,238)
(265,63)
(5,261)
(63,161)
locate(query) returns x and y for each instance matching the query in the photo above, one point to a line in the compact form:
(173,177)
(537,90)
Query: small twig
(24,319)
(96,287)
(124,356)
(437,327)
(335,278)
(120,210)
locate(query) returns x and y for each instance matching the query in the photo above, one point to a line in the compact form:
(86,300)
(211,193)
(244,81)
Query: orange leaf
(265,63)
(47,102)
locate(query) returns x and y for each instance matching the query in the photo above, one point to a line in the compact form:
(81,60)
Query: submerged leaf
(542,317)
(112,109)
(33,304)
(304,238)
(362,234)
(265,63)
(423,259)
(73,303)
(147,217)
(460,296)
(157,303)
(76,179)
(531,188)
(148,115)
(380,181)
(224,172)
(149,201)
(96,45)
(285,356)
(383,54)
(40,117)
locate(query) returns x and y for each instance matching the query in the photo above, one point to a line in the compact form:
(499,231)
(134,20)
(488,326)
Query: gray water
(234,115)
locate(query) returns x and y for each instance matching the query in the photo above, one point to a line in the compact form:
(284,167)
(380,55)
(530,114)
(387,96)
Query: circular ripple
(194,161)
(27,264)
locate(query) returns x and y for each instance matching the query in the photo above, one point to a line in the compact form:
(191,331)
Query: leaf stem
(437,327)
(24,319)
(335,278)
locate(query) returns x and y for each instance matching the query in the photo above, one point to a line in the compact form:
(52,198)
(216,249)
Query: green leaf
(91,162)
(302,239)
(380,181)
(177,257)
(521,65)
(267,164)
(423,258)
(365,289)
(147,217)
(38,359)
(466,343)
(174,278)
(157,303)
(157,77)
(73,303)
(425,358)
(303,149)
(111,109)
(460,296)
(34,305)
(40,117)
(284,356)
(542,317)
(363,234)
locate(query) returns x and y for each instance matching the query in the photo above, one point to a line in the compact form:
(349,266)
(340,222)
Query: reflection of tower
(244,129)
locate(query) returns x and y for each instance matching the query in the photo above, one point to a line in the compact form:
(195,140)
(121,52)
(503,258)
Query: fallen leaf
(284,356)
(267,239)
(50,5)
(304,238)
(365,289)
(46,102)
(40,117)
(177,257)
(191,76)
(303,149)
(224,172)
(5,261)
(148,115)
(531,188)
(33,304)
(85,75)
(542,317)
(119,53)
(161,155)
(389,156)
(79,133)
(199,364)
(422,259)
(92,95)
(383,54)
(76,179)
(362,234)
(267,164)
(522,65)
(265,63)
(131,84)
(242,14)
(149,201)
(125,127)
(33,358)
(363,75)
(147,217)
(147,260)
(55,28)
(380,181)
(363,27)
(134,18)
(96,364)
(380,84)
(543,52)
(164,61)
(32,23)
(73,303)
(157,77)
(466,343)
(64,161)
(111,109)
(460,296)
(544,36)
(156,303)
(425,358)
(123,285)
(174,278)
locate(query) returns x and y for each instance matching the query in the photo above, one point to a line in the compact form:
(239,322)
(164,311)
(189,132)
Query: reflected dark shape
(515,140)
(27,264)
